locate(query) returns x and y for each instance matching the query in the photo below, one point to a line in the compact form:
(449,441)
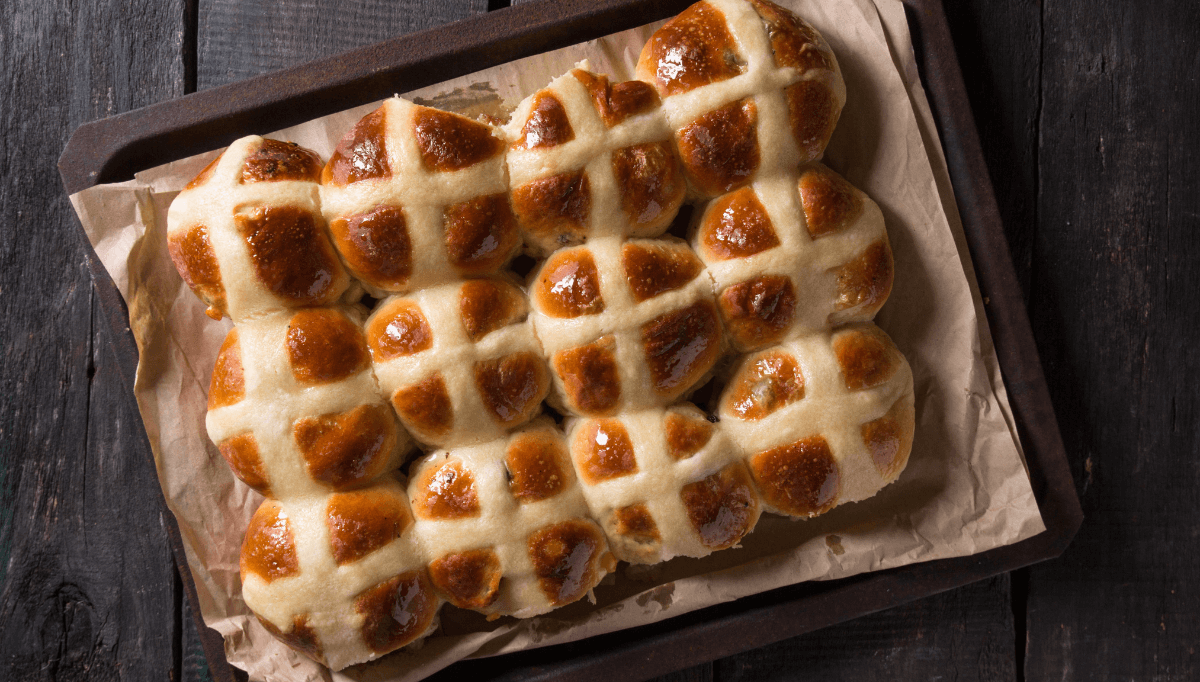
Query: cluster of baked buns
(316,400)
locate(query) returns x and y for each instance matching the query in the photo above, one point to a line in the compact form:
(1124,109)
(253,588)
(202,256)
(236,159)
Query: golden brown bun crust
(565,557)
(758,312)
(290,253)
(686,436)
(376,245)
(269,550)
(241,452)
(556,207)
(487,305)
(865,282)
(590,375)
(348,449)
(425,407)
(396,611)
(830,203)
(890,437)
(569,285)
(325,346)
(720,148)
(617,102)
(866,356)
(192,253)
(693,49)
(481,234)
(449,142)
(765,384)
(547,126)
(364,521)
(469,580)
(800,479)
(608,452)
(722,507)
(446,492)
(653,268)
(276,161)
(228,385)
(537,466)
(512,387)
(736,225)
(361,154)
(398,328)
(681,346)
(651,183)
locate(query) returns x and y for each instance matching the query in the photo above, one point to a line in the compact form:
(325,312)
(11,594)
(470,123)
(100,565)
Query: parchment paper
(965,489)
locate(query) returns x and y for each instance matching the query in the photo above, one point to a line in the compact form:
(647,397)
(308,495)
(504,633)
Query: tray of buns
(486,364)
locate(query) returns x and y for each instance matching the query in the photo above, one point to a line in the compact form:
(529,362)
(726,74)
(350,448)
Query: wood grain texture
(965,634)
(699,673)
(237,39)
(1115,308)
(87,580)
(193,666)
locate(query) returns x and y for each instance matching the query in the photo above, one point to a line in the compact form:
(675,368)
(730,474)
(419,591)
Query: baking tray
(113,149)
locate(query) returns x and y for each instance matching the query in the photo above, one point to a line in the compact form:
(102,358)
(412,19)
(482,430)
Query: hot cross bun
(822,419)
(748,88)
(504,525)
(294,408)
(247,234)
(417,196)
(792,255)
(663,483)
(590,159)
(339,576)
(626,324)
(459,362)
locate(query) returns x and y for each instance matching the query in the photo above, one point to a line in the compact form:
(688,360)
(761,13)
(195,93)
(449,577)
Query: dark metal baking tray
(113,149)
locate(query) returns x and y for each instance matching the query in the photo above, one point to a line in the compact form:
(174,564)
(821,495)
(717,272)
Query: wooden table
(1088,115)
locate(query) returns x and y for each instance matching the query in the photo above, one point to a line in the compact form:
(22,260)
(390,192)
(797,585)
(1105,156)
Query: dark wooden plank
(1116,272)
(699,673)
(193,664)
(86,585)
(964,634)
(238,39)
(89,590)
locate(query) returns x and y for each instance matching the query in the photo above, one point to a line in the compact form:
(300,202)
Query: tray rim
(110,149)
